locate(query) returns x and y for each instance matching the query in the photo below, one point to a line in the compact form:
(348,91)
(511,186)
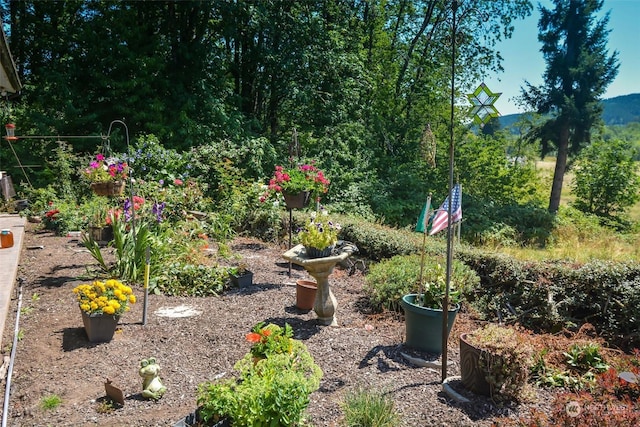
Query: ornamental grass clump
(110,297)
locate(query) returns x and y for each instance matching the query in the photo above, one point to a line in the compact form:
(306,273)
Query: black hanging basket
(298,200)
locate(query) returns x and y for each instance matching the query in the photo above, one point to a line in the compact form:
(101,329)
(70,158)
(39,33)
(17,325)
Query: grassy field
(546,167)
(581,242)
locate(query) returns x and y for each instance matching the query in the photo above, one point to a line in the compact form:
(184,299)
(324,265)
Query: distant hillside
(619,110)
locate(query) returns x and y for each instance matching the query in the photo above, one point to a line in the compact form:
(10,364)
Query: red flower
(112,213)
(177,181)
(252,337)
(266,332)
(52,213)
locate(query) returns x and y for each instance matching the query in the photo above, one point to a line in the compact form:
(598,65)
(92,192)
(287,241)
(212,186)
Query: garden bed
(54,356)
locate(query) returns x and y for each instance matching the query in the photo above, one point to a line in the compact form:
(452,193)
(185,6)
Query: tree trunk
(561,165)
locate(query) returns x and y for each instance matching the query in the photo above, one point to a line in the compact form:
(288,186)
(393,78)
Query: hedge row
(553,295)
(544,296)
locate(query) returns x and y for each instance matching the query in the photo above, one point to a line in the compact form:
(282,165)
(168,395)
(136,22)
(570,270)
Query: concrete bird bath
(320,269)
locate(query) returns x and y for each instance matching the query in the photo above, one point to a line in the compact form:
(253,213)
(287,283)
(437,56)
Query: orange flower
(252,337)
(266,332)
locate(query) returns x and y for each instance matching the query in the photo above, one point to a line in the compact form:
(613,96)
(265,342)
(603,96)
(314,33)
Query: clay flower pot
(305,294)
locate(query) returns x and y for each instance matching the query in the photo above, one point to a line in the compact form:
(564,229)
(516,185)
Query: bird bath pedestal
(320,269)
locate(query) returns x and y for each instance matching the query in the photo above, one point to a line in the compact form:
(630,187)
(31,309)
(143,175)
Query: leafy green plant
(130,244)
(270,339)
(27,309)
(319,232)
(585,358)
(50,402)
(190,280)
(387,281)
(272,391)
(366,408)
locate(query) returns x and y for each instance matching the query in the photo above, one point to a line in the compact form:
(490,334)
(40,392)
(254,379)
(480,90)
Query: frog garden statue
(152,387)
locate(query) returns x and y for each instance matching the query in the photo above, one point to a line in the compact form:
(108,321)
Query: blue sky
(523,59)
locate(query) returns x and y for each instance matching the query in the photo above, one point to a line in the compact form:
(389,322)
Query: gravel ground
(54,356)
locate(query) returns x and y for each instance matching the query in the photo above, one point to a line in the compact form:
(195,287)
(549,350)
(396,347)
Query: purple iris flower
(127,209)
(157,210)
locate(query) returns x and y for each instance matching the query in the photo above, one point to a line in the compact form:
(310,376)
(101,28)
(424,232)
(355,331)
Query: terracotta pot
(99,327)
(305,294)
(296,201)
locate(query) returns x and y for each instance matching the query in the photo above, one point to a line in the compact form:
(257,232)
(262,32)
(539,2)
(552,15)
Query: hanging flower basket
(109,188)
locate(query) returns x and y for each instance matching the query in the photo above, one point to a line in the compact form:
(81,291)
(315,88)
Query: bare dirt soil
(54,356)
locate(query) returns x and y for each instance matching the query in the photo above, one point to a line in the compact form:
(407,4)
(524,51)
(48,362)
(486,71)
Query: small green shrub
(365,408)
(190,280)
(270,391)
(378,242)
(387,281)
(50,402)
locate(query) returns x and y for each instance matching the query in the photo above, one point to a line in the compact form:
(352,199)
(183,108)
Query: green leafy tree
(579,68)
(606,180)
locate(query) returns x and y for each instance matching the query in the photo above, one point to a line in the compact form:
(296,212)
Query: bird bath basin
(320,269)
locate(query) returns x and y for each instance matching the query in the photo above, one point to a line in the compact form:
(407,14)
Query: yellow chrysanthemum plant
(110,297)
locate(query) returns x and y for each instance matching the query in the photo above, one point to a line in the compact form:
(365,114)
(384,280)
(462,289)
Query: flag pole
(425,221)
(445,301)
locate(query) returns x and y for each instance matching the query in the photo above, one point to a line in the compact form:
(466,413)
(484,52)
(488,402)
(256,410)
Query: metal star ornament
(482,100)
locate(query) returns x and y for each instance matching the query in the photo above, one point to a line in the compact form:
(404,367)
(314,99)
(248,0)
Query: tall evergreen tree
(579,68)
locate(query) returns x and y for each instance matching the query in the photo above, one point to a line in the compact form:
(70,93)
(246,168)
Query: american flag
(440,220)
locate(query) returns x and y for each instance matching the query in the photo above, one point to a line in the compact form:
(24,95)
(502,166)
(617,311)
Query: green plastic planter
(423,325)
